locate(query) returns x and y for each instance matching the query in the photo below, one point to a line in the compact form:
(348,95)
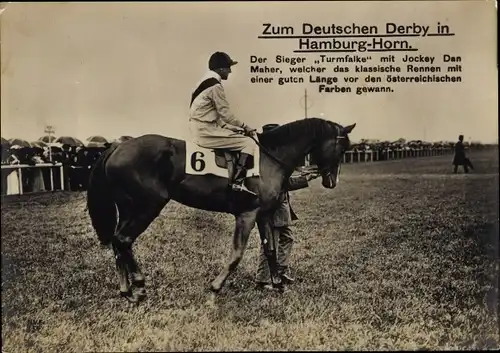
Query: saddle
(227,159)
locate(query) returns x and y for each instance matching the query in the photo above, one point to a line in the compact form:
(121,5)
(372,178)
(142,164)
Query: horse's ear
(348,129)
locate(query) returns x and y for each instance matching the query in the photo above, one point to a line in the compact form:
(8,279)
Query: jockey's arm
(222,106)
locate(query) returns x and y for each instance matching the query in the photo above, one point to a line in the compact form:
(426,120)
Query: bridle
(325,170)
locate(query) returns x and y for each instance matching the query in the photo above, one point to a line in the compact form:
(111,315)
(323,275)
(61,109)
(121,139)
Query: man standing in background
(459,158)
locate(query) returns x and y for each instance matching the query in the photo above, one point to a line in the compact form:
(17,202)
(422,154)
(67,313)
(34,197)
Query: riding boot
(237,183)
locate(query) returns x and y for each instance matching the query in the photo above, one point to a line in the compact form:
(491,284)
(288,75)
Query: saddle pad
(201,161)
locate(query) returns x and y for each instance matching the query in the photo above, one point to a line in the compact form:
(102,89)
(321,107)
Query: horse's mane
(313,127)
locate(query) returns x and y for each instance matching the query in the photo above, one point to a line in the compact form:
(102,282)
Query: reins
(269,154)
(276,159)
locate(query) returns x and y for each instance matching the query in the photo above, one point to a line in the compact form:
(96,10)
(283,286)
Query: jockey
(212,123)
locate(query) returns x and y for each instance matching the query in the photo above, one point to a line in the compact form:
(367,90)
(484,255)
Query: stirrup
(241,188)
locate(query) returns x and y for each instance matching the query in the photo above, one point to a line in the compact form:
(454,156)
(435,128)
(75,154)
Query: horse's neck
(293,152)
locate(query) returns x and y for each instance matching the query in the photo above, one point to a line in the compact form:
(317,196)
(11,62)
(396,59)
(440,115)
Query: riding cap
(220,60)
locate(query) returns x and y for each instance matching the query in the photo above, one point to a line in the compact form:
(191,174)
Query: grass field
(401,255)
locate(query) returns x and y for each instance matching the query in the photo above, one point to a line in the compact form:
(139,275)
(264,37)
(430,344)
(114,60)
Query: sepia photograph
(249,175)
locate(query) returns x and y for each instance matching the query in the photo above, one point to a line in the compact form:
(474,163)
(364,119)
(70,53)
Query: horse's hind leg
(121,267)
(136,276)
(244,225)
(135,222)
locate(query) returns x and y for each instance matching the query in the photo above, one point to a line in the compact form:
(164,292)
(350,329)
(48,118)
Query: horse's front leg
(270,244)
(244,225)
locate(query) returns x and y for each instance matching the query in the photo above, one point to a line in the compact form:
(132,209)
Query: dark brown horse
(135,180)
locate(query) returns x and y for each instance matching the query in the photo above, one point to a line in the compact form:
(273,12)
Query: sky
(114,69)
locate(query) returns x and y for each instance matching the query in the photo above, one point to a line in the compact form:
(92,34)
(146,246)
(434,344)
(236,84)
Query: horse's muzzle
(328,181)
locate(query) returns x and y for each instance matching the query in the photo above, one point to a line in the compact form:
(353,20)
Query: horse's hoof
(126,294)
(139,289)
(215,289)
(131,297)
(140,294)
(279,287)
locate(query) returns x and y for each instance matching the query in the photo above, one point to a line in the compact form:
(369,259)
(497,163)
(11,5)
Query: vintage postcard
(222,176)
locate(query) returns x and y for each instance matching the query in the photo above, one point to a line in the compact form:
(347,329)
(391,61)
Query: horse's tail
(100,202)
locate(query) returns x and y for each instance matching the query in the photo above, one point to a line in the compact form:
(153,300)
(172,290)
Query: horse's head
(329,153)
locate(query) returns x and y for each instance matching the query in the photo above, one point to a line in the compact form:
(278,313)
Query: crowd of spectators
(75,158)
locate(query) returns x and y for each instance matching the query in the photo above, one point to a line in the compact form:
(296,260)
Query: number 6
(198,164)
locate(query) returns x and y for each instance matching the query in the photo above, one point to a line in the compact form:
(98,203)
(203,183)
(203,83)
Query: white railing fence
(392,154)
(14,181)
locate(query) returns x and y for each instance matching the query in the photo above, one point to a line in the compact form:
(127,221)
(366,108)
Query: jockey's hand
(234,128)
(248,130)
